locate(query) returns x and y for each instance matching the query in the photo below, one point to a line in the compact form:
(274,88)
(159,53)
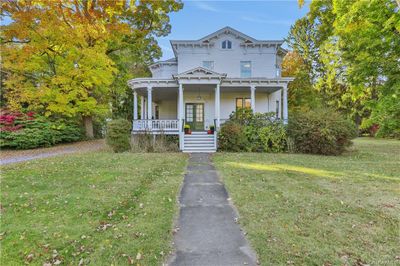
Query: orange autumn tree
(58,55)
(302,94)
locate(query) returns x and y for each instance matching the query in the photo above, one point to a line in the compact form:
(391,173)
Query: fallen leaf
(138,256)
(29,258)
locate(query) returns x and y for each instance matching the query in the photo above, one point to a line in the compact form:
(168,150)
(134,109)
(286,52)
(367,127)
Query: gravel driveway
(13,156)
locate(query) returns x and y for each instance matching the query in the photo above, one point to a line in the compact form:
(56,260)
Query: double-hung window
(208,65)
(245,69)
(243,103)
(226,44)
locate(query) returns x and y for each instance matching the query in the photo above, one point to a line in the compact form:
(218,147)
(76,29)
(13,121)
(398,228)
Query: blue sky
(262,19)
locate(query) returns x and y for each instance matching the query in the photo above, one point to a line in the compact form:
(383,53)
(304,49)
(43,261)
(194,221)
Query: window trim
(226,45)
(243,102)
(241,69)
(212,64)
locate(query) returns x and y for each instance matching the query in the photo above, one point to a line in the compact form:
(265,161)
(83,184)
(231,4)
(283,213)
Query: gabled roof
(228,30)
(171,61)
(247,40)
(199,72)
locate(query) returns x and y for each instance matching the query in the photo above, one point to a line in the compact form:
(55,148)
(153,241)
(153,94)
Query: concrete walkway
(208,234)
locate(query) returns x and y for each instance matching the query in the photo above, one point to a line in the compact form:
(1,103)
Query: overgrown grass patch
(98,208)
(319,210)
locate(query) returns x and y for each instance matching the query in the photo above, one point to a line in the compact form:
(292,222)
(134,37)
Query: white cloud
(205,6)
(267,21)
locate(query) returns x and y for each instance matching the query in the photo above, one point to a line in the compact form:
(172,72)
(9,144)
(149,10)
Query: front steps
(199,141)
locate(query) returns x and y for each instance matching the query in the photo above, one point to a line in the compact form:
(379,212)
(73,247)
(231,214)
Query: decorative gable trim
(199,73)
(228,30)
(207,41)
(169,62)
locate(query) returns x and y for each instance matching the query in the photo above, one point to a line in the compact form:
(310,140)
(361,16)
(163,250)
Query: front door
(195,116)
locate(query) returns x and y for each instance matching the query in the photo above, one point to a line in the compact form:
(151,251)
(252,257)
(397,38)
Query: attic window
(226,44)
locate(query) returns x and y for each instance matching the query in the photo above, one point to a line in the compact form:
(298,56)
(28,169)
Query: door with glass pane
(195,116)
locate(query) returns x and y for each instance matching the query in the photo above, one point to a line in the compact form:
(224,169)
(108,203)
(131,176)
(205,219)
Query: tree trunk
(88,122)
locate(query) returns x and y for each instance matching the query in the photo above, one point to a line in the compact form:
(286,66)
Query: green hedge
(40,133)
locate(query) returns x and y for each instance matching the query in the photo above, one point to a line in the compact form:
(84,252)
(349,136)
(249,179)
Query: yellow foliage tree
(57,55)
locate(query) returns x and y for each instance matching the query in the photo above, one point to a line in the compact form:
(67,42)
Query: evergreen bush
(118,135)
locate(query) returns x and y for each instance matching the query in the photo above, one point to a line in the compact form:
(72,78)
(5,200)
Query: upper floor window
(226,44)
(245,69)
(208,65)
(278,71)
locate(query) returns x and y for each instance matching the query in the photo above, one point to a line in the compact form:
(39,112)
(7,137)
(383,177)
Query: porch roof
(262,82)
(203,79)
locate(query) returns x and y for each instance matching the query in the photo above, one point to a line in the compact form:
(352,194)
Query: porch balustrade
(155,125)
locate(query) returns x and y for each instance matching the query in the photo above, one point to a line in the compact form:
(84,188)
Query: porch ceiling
(247,89)
(160,93)
(163,93)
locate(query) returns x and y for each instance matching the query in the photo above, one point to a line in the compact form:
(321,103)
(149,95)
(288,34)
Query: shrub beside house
(321,131)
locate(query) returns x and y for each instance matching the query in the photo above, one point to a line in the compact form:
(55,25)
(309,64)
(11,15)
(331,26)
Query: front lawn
(98,208)
(319,210)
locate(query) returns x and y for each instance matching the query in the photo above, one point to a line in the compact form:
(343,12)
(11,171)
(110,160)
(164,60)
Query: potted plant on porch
(187,129)
(211,130)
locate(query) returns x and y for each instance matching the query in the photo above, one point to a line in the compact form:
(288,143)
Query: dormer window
(226,44)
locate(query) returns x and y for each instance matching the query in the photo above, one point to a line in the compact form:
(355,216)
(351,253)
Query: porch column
(142,108)
(149,107)
(217,105)
(180,106)
(149,102)
(135,109)
(253,98)
(180,115)
(285,104)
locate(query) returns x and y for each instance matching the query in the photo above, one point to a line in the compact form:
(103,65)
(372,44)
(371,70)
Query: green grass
(99,208)
(319,210)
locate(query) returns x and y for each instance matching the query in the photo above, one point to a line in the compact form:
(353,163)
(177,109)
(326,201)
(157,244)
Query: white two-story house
(205,82)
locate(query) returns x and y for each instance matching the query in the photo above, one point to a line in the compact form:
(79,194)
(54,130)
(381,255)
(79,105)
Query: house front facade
(205,82)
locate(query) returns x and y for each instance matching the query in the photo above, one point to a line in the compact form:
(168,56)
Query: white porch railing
(155,125)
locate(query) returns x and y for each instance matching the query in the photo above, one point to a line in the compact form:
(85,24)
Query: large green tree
(355,51)
(62,57)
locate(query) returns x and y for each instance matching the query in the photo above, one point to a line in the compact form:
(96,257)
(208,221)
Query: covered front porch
(199,105)
(201,98)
